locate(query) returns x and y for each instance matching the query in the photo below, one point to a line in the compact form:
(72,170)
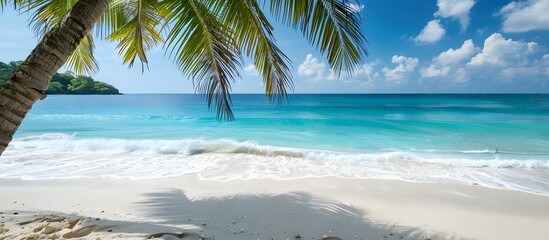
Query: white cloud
(311,68)
(405,66)
(460,76)
(251,70)
(453,56)
(435,71)
(499,60)
(505,58)
(457,9)
(446,64)
(364,75)
(525,16)
(431,33)
(366,71)
(518,72)
(455,75)
(538,68)
(355,7)
(498,51)
(332,76)
(315,70)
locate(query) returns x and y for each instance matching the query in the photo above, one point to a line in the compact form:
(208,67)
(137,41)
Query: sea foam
(59,156)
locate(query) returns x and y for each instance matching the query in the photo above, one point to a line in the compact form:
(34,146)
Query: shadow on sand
(171,214)
(286,216)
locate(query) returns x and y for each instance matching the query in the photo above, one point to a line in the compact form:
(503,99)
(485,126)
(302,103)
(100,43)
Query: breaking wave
(58,156)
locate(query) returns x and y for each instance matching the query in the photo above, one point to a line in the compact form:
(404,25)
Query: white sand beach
(311,208)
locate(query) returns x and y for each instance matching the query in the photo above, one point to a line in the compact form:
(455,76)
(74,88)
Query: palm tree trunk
(29,82)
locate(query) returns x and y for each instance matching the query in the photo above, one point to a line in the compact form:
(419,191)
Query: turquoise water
(500,141)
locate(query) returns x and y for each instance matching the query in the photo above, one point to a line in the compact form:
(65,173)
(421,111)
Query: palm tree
(206,39)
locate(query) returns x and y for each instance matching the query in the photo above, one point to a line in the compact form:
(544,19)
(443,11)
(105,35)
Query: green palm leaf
(45,15)
(139,33)
(112,19)
(203,49)
(330,25)
(82,59)
(5,3)
(254,35)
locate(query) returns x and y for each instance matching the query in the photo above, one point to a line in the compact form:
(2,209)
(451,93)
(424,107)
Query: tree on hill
(82,84)
(56,87)
(103,88)
(7,69)
(61,82)
(206,39)
(63,78)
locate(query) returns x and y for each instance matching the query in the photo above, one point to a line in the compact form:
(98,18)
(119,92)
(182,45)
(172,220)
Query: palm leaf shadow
(253,216)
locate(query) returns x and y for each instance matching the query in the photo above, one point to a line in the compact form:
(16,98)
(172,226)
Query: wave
(479,151)
(68,143)
(396,157)
(46,137)
(59,142)
(54,156)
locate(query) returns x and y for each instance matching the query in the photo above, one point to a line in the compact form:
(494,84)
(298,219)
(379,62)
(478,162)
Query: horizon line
(388,93)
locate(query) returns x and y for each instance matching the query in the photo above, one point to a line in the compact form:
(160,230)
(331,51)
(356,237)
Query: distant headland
(64,83)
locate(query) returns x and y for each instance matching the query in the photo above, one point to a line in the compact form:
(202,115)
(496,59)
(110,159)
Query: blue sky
(420,46)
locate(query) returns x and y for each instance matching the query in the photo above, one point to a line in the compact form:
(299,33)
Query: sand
(312,208)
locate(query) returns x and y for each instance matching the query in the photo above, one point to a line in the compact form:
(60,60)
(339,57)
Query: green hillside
(64,83)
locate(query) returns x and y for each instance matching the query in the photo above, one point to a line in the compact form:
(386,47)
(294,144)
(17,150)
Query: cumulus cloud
(435,71)
(498,51)
(538,68)
(453,56)
(447,63)
(456,9)
(405,66)
(431,33)
(365,75)
(366,71)
(525,16)
(500,59)
(315,70)
(311,68)
(460,76)
(251,70)
(355,7)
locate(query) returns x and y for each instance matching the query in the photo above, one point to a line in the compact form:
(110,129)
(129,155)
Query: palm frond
(203,49)
(45,14)
(254,35)
(82,59)
(139,33)
(5,3)
(332,26)
(112,19)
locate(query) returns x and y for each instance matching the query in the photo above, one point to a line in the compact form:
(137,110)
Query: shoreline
(227,159)
(346,208)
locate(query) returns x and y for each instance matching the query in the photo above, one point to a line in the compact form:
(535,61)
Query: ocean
(499,141)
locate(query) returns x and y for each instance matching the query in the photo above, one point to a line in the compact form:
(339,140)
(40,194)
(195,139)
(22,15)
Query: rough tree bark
(29,82)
